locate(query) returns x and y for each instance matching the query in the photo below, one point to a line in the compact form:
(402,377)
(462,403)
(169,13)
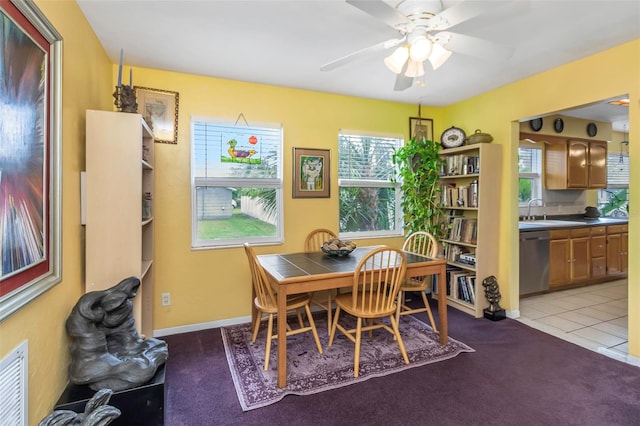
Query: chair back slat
(314,240)
(264,293)
(377,280)
(421,242)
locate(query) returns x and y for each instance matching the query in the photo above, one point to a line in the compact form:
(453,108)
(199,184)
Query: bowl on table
(337,247)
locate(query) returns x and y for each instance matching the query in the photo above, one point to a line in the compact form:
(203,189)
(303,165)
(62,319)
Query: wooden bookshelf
(470,180)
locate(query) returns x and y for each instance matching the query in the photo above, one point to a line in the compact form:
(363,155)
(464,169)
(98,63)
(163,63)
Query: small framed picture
(420,128)
(311,172)
(159,108)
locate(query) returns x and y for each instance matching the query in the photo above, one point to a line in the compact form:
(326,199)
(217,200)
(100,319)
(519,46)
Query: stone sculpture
(492,293)
(106,350)
(96,413)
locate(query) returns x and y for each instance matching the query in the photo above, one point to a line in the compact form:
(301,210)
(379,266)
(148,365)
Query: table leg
(442,305)
(282,338)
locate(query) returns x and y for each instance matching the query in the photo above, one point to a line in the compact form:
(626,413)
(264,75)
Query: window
(614,201)
(236,183)
(530,172)
(369,200)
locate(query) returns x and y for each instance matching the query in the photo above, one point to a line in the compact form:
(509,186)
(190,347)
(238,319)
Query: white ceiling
(284,43)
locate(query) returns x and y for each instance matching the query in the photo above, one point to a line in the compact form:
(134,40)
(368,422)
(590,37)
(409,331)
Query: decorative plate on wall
(535,124)
(558,125)
(592,129)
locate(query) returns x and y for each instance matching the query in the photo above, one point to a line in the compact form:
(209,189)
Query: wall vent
(13,387)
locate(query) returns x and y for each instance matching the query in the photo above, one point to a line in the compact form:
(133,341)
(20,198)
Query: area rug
(310,372)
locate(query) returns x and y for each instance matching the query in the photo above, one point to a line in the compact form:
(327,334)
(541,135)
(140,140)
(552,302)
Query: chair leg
(313,328)
(329,313)
(429,313)
(256,327)
(300,321)
(394,324)
(267,350)
(334,325)
(399,307)
(356,359)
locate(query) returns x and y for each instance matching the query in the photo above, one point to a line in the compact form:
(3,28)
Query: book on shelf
(452,195)
(460,165)
(463,229)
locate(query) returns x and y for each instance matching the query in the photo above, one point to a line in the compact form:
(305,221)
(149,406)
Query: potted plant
(418,171)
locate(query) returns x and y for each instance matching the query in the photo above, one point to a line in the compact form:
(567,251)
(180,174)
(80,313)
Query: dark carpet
(517,376)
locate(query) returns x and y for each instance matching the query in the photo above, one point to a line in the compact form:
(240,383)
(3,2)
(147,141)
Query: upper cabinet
(575,164)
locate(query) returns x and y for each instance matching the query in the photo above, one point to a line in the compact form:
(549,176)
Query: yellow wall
(87,75)
(211,285)
(578,83)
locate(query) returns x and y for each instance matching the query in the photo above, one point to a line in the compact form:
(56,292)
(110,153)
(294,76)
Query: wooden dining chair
(423,243)
(376,283)
(266,304)
(312,243)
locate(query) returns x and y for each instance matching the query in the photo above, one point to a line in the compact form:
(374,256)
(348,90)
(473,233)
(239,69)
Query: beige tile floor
(594,317)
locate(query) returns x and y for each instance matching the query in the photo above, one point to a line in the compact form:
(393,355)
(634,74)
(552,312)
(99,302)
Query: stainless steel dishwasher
(534,261)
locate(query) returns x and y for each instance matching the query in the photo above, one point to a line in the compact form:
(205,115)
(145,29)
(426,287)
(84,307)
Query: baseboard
(513,314)
(200,326)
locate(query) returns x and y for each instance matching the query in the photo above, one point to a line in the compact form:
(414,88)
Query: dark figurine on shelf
(492,292)
(125,99)
(96,413)
(106,350)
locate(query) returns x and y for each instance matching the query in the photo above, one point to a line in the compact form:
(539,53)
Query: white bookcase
(470,182)
(119,221)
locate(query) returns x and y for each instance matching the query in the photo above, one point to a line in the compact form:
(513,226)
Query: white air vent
(13,387)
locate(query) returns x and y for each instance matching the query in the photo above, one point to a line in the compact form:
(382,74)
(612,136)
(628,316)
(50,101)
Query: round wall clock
(592,129)
(535,124)
(452,137)
(558,125)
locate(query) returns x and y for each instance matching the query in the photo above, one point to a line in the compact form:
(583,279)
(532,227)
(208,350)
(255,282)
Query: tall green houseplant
(418,171)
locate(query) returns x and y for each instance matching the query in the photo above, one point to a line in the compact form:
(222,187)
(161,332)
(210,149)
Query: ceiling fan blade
(382,11)
(454,15)
(479,48)
(360,53)
(402,82)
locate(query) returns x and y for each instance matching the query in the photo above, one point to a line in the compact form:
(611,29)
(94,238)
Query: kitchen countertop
(560,222)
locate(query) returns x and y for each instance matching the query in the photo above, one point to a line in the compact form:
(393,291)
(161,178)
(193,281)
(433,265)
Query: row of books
(456,165)
(466,285)
(452,252)
(452,195)
(463,229)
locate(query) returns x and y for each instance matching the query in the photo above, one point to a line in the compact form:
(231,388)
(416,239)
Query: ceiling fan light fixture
(396,60)
(420,49)
(439,55)
(414,69)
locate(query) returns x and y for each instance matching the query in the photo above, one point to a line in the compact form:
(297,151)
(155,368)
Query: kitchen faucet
(531,201)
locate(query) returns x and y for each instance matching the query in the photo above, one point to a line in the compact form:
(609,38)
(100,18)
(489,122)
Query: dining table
(295,273)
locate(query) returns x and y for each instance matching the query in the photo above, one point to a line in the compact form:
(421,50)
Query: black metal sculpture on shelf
(492,292)
(106,349)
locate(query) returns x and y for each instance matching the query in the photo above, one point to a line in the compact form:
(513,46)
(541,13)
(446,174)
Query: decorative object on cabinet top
(452,137)
(479,137)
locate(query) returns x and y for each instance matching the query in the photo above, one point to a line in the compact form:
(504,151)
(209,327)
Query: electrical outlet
(166,299)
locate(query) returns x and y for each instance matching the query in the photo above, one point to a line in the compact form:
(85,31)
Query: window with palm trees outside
(530,174)
(236,183)
(614,200)
(369,199)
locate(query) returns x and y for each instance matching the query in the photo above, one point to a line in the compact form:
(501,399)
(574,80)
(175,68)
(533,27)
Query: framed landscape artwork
(311,171)
(30,163)
(160,110)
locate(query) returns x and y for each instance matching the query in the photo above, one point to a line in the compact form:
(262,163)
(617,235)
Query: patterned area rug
(309,372)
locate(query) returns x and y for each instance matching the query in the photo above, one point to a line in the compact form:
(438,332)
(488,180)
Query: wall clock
(558,125)
(592,129)
(535,124)
(452,137)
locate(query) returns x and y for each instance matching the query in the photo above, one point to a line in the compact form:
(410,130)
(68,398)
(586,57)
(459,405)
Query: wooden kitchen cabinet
(617,249)
(576,164)
(569,256)
(598,251)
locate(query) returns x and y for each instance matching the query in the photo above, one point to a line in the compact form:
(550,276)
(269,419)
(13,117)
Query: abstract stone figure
(492,293)
(106,350)
(96,413)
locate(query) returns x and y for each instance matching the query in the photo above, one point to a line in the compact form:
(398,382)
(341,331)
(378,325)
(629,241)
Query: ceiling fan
(422,25)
